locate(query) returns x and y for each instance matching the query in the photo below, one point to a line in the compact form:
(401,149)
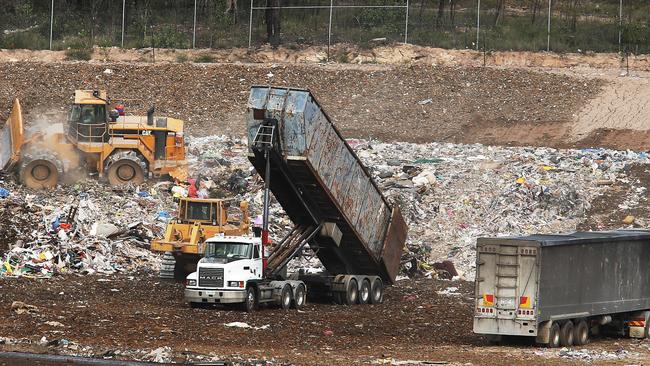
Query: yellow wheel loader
(197,220)
(125,149)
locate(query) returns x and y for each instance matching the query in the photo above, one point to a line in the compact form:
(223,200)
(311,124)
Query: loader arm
(12,138)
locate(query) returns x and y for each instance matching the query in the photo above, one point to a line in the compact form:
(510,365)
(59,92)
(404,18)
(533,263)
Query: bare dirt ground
(402,92)
(141,312)
(395,103)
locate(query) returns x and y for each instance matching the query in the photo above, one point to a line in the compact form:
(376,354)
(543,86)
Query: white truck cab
(232,271)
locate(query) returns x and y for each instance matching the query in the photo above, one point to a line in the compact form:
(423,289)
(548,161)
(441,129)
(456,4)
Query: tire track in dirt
(624,104)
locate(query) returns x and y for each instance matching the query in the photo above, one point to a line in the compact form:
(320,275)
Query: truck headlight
(236,284)
(190,283)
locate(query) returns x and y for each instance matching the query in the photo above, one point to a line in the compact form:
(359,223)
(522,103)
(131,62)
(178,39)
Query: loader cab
(88,117)
(211,212)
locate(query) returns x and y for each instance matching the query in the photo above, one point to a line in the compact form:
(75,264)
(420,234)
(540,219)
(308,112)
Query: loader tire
(41,171)
(125,167)
(167,266)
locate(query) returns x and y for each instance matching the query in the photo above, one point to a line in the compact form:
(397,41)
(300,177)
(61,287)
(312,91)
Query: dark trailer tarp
(589,273)
(329,180)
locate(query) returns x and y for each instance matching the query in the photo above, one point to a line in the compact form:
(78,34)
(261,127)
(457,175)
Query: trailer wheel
(299,297)
(285,297)
(351,292)
(364,294)
(251,299)
(581,333)
(554,336)
(566,334)
(377,292)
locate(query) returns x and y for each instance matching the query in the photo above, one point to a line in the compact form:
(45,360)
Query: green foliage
(181,57)
(636,33)
(24,15)
(204,58)
(168,37)
(30,40)
(81,54)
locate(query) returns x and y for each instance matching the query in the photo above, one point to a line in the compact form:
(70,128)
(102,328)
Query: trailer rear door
(506,289)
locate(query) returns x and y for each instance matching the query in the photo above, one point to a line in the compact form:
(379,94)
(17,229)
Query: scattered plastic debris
(246,326)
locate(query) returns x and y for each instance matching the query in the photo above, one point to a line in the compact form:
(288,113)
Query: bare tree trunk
(452,12)
(535,9)
(574,14)
(441,12)
(273,22)
(501,4)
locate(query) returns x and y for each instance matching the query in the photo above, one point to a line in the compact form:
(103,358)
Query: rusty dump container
(317,177)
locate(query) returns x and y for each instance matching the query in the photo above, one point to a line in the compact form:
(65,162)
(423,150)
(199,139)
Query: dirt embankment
(404,103)
(395,54)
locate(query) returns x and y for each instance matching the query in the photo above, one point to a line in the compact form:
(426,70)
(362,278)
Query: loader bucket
(11,138)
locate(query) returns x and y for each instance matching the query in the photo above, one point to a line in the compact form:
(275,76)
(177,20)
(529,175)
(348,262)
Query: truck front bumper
(214,296)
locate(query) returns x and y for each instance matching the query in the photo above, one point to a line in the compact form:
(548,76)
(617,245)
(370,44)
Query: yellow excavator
(125,149)
(197,219)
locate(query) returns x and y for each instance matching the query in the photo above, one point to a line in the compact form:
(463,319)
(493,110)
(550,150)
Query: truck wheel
(125,167)
(581,333)
(39,173)
(566,334)
(554,336)
(299,297)
(364,294)
(377,292)
(351,293)
(250,303)
(285,297)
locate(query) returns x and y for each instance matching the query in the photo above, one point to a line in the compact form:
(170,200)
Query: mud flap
(544,332)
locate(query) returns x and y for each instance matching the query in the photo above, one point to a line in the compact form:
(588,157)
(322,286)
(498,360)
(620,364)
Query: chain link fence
(522,25)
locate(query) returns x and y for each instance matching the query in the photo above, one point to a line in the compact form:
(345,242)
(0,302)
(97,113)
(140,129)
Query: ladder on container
(264,137)
(507,273)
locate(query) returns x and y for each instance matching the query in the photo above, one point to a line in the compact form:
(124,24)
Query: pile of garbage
(85,229)
(451,194)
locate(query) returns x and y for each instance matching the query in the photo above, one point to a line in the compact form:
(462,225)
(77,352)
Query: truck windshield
(87,114)
(228,250)
(198,211)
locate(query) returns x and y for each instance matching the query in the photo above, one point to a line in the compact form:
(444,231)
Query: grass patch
(182,57)
(204,58)
(80,54)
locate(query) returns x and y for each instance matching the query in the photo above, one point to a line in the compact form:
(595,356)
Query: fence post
(51,23)
(406,29)
(478,23)
(548,29)
(329,30)
(194,28)
(123,17)
(620,24)
(250,27)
